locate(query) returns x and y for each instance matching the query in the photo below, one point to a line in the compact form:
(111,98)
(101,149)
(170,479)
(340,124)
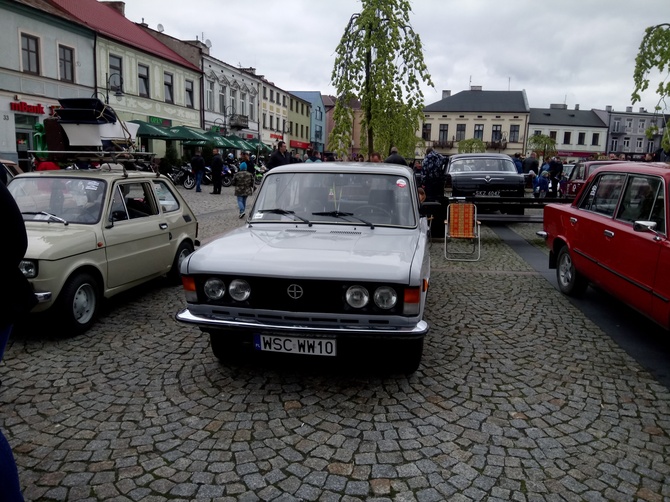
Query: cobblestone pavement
(507,404)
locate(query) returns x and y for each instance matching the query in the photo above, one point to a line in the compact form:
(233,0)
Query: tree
(472,145)
(543,146)
(654,54)
(379,62)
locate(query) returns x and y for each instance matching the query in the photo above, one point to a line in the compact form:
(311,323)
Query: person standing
(395,157)
(432,174)
(376,157)
(217,170)
(16,300)
(244,185)
(555,172)
(198,168)
(518,163)
(530,163)
(279,156)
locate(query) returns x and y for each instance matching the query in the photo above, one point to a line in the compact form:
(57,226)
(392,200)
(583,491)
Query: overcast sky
(566,51)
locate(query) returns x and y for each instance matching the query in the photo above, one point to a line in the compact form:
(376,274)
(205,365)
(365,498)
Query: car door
(632,256)
(137,236)
(591,225)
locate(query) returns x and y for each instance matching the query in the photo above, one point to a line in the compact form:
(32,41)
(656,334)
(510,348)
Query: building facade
(318,131)
(299,120)
(627,131)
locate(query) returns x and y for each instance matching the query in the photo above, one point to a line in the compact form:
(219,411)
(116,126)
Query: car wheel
(174,275)
(404,356)
(78,302)
(570,281)
(227,348)
(189,182)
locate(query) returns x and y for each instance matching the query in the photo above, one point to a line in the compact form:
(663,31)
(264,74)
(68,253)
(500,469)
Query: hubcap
(83,305)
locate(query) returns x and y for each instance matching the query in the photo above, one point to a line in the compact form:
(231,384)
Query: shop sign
(24,107)
(159,121)
(298,144)
(276,136)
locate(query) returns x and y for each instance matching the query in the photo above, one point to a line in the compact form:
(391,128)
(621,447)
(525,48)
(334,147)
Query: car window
(380,199)
(639,198)
(483,165)
(165,196)
(603,193)
(133,200)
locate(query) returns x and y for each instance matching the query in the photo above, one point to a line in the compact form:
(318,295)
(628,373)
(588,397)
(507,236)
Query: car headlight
(214,288)
(29,268)
(385,297)
(239,290)
(357,297)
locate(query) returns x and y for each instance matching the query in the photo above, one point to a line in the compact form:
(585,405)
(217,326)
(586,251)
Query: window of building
(272,95)
(443,133)
(595,139)
(614,146)
(233,101)
(567,138)
(291,104)
(616,126)
(425,133)
(243,103)
(460,132)
(514,134)
(629,125)
(639,144)
(283,101)
(581,138)
(265,92)
(210,95)
(30,57)
(302,132)
(222,99)
(626,144)
(252,107)
(552,135)
(496,133)
(143,80)
(306,131)
(168,87)
(651,147)
(65,63)
(318,113)
(188,90)
(272,122)
(537,132)
(115,73)
(641,126)
(318,132)
(479,131)
(265,125)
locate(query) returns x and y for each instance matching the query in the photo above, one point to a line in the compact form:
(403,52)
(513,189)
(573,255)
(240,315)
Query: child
(543,184)
(244,184)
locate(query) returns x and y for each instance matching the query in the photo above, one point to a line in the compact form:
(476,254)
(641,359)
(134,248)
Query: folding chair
(462,225)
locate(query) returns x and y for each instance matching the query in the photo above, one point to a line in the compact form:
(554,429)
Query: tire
(78,303)
(226,180)
(402,357)
(174,275)
(570,281)
(189,182)
(227,348)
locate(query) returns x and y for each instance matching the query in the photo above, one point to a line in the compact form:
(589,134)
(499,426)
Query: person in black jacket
(395,157)
(16,300)
(279,157)
(198,167)
(217,170)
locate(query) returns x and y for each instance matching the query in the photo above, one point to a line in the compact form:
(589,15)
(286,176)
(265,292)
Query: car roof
(344,167)
(657,168)
(457,156)
(103,173)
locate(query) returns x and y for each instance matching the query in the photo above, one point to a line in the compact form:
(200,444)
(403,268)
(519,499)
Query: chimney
(642,110)
(577,107)
(608,108)
(118,6)
(629,109)
(475,87)
(446,94)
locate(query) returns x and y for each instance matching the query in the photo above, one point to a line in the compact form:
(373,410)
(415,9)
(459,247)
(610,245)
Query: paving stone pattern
(510,403)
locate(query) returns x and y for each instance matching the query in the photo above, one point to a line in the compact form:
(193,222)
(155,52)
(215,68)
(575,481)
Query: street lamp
(226,119)
(222,129)
(118,89)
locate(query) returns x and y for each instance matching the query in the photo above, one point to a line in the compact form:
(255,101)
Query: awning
(148,130)
(259,146)
(239,143)
(219,141)
(185,133)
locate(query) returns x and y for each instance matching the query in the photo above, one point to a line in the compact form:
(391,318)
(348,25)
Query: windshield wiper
(285,212)
(48,215)
(341,214)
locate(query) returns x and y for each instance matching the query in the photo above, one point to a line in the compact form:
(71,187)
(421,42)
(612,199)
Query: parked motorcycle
(226,176)
(180,174)
(259,172)
(189,181)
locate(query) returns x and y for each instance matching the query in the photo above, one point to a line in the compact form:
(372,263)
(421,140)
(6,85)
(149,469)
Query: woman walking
(244,184)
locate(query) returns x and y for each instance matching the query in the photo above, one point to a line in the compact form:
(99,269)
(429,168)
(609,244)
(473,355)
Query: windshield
(75,200)
(336,198)
(482,165)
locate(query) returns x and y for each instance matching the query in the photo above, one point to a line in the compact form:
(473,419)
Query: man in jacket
(198,167)
(279,157)
(432,174)
(395,157)
(217,170)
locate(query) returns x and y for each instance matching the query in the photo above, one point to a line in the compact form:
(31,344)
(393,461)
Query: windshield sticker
(92,185)
(401,183)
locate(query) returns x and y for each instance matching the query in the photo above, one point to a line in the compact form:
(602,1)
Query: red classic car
(614,235)
(580,173)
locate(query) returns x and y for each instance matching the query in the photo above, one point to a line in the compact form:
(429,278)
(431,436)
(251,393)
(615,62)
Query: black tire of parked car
(189,181)
(78,303)
(570,281)
(404,356)
(174,275)
(228,347)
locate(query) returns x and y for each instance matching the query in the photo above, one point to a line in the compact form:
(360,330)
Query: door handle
(163,226)
(609,233)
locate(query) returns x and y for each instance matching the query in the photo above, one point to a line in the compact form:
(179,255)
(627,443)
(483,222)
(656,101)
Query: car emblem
(487,178)
(294,291)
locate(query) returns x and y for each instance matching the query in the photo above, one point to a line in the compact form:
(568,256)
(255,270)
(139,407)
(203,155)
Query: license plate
(295,345)
(488,193)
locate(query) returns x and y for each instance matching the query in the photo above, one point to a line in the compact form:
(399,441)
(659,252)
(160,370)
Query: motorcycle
(226,176)
(189,181)
(259,172)
(180,174)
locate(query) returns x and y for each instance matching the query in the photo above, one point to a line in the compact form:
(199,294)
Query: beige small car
(95,233)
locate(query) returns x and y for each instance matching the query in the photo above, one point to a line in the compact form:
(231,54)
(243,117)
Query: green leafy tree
(472,145)
(654,54)
(379,62)
(543,145)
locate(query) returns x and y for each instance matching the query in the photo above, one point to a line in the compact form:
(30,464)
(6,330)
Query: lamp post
(226,119)
(222,129)
(118,91)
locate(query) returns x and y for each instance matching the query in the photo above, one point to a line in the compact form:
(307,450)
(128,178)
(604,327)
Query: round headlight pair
(215,289)
(384,297)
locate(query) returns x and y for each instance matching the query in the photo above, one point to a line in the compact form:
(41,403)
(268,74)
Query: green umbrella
(153,131)
(188,134)
(219,141)
(238,142)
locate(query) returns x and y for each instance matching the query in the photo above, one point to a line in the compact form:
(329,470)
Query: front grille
(317,296)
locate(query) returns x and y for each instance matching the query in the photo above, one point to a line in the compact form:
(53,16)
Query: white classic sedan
(333,261)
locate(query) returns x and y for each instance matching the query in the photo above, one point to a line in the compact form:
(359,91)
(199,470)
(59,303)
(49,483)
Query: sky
(573,52)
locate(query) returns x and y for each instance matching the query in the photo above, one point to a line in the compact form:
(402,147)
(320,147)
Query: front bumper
(207,323)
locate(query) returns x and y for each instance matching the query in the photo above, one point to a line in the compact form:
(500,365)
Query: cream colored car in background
(95,233)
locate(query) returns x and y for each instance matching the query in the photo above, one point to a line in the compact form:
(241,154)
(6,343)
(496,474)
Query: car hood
(319,252)
(55,241)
